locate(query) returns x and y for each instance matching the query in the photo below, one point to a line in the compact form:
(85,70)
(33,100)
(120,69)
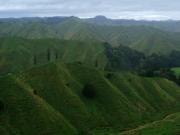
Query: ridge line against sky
(114,9)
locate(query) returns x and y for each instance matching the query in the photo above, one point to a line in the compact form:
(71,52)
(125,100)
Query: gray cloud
(136,9)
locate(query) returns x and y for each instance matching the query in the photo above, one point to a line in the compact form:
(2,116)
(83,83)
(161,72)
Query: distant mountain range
(168,25)
(145,36)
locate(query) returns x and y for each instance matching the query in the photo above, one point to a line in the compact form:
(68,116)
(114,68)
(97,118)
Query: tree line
(156,65)
(48,54)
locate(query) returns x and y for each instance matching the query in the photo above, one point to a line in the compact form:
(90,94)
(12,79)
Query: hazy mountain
(168,25)
(78,29)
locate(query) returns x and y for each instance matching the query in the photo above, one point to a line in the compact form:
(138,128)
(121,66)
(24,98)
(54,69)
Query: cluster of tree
(48,55)
(161,72)
(89,91)
(124,58)
(156,61)
(160,66)
(1,106)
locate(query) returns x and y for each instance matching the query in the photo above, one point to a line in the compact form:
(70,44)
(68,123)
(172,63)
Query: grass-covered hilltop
(71,76)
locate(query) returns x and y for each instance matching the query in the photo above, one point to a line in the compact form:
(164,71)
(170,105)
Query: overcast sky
(127,9)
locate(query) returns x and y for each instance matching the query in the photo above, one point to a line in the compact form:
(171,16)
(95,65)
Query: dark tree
(130,80)
(48,54)
(35,92)
(1,106)
(96,64)
(34,59)
(67,84)
(89,91)
(56,55)
(122,58)
(79,62)
(109,75)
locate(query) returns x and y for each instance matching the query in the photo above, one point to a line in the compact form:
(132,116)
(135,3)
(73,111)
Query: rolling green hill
(159,44)
(75,99)
(142,38)
(18,54)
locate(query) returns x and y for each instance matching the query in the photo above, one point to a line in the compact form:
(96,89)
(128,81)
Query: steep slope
(52,96)
(22,112)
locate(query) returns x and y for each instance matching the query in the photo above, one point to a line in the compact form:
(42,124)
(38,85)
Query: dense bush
(79,62)
(109,75)
(1,106)
(155,61)
(162,72)
(67,84)
(123,58)
(34,92)
(89,91)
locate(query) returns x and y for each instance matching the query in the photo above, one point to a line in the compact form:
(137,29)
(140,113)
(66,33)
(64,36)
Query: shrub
(1,106)
(79,62)
(89,91)
(109,75)
(130,80)
(35,92)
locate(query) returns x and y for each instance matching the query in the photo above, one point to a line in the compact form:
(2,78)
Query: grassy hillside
(18,54)
(22,112)
(139,37)
(68,99)
(167,126)
(156,43)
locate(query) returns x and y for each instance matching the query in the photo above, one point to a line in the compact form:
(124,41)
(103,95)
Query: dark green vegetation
(161,66)
(89,91)
(123,58)
(144,38)
(49,100)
